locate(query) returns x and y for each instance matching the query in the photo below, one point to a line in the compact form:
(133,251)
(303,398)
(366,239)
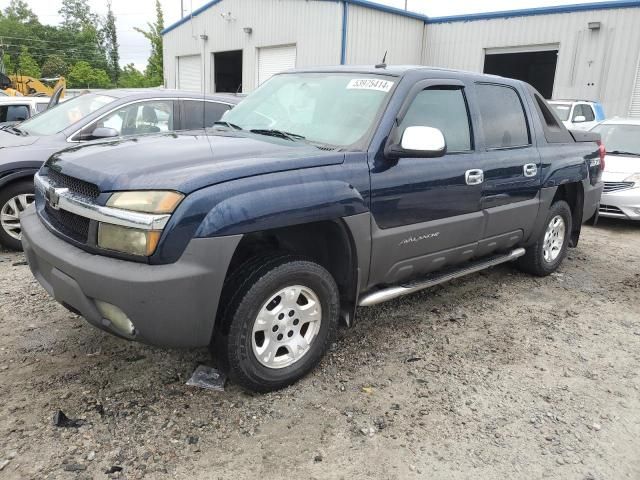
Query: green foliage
(131,77)
(54,66)
(84,48)
(27,65)
(154,70)
(110,36)
(77,15)
(9,66)
(19,11)
(83,75)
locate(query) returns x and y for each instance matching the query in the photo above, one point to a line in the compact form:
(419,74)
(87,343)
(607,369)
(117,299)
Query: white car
(621,196)
(18,109)
(578,114)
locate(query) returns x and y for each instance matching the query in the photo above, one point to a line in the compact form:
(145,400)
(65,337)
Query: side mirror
(419,142)
(580,119)
(104,132)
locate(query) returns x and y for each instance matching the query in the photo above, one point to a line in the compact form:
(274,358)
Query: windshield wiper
(622,152)
(19,131)
(278,133)
(228,124)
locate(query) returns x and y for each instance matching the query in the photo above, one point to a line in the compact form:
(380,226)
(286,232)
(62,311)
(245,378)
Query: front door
(426,211)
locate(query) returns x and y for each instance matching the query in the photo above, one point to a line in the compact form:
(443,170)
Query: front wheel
(545,256)
(14,198)
(279,323)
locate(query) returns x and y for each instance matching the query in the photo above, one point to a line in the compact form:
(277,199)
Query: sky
(134,48)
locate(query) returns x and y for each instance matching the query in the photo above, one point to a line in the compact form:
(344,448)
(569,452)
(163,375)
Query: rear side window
(585,111)
(503,119)
(14,113)
(194,117)
(444,109)
(213,111)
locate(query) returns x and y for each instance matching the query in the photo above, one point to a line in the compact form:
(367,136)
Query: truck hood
(185,161)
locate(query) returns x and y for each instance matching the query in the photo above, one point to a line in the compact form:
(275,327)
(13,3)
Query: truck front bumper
(172,305)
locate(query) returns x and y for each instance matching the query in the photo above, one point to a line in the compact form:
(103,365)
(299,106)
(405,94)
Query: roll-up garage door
(190,73)
(634,109)
(272,60)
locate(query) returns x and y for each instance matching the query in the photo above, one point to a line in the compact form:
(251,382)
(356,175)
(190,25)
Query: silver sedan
(621,197)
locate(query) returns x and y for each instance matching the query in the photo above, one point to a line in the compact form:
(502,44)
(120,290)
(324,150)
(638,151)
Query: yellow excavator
(17,85)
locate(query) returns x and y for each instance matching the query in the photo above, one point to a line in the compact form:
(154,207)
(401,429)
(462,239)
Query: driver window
(138,119)
(444,109)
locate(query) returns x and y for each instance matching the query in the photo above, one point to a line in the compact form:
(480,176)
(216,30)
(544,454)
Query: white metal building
(585,51)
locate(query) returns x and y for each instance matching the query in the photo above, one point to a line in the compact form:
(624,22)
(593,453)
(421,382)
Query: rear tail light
(602,152)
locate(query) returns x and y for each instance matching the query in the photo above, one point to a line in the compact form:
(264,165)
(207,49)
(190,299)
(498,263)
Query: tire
(541,258)
(260,357)
(13,199)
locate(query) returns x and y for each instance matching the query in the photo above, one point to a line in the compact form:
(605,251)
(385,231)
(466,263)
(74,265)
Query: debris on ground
(62,421)
(208,378)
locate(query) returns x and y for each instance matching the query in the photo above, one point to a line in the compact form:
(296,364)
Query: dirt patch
(498,375)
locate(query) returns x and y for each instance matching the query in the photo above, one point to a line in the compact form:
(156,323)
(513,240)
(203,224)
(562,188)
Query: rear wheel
(278,323)
(13,200)
(545,256)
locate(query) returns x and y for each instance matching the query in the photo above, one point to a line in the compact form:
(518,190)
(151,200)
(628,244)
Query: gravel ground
(498,375)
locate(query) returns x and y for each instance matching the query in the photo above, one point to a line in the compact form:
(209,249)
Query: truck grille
(69,224)
(75,185)
(610,209)
(614,186)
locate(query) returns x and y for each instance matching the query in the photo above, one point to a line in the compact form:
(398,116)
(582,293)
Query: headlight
(635,178)
(146,201)
(128,240)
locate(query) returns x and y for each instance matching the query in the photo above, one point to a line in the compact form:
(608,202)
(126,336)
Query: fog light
(116,317)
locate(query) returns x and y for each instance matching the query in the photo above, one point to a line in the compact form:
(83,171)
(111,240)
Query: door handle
(530,170)
(474,177)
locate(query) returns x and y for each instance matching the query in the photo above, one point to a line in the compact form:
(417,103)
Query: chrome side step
(380,296)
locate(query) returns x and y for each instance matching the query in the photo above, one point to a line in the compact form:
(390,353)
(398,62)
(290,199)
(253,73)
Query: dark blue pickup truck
(324,190)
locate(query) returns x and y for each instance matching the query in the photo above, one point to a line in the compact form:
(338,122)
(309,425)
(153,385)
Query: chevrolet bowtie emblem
(53,196)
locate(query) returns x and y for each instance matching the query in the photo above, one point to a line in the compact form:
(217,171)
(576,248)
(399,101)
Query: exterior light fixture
(248,30)
(594,25)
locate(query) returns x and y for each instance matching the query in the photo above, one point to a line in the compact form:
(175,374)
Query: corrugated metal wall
(371,32)
(606,58)
(315,27)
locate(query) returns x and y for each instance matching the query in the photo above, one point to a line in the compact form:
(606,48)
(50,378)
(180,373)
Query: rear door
(511,165)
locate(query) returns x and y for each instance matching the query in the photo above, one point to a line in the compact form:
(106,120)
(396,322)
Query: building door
(189,73)
(535,65)
(634,108)
(272,60)
(227,71)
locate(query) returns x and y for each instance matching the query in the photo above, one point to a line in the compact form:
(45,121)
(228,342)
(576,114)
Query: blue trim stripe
(343,51)
(360,3)
(580,7)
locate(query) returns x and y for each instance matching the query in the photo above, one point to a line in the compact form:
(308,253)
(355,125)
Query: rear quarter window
(504,122)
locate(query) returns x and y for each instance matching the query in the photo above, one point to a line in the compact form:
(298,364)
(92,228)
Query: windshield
(65,114)
(331,109)
(621,138)
(562,110)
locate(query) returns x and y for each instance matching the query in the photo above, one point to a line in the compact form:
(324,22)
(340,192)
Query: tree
(19,11)
(54,66)
(131,77)
(83,75)
(27,65)
(154,70)
(77,15)
(111,43)
(9,67)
